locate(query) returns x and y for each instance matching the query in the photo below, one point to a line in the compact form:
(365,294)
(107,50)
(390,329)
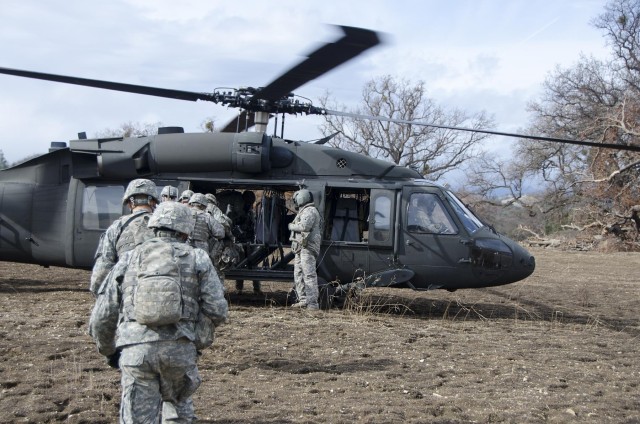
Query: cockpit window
(101,205)
(426,214)
(469,220)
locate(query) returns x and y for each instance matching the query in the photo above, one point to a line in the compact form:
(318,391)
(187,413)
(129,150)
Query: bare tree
(3,161)
(432,151)
(582,188)
(130,129)
(209,125)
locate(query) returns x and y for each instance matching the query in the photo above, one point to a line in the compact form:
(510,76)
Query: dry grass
(558,347)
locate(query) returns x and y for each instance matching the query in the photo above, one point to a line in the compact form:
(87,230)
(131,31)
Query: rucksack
(157,299)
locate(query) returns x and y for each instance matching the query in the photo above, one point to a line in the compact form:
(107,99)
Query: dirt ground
(561,346)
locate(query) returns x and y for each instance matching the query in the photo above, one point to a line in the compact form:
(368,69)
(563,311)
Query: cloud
(476,55)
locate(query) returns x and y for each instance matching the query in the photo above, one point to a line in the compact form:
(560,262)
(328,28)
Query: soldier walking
(206,230)
(185,196)
(125,232)
(169,194)
(222,254)
(154,336)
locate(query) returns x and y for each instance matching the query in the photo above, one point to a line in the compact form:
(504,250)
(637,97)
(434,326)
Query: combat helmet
(172,216)
(302,197)
(170,192)
(211,198)
(186,195)
(140,186)
(198,199)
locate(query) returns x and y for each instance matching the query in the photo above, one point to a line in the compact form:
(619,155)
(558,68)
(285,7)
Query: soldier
(218,215)
(125,232)
(156,347)
(186,196)
(420,214)
(206,230)
(305,243)
(224,254)
(169,194)
(245,225)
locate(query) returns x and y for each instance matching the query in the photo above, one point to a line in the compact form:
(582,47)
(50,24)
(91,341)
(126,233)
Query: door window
(101,205)
(382,218)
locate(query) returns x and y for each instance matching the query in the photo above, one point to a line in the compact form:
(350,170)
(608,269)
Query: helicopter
(54,207)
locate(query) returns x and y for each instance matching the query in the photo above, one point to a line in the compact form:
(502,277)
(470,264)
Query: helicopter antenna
(325,139)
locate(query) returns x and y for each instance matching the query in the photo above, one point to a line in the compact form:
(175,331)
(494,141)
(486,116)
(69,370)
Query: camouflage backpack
(158,294)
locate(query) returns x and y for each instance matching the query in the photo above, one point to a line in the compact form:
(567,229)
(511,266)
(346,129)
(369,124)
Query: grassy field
(560,346)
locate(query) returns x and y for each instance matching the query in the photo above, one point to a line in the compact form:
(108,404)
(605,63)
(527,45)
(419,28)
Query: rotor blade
(322,60)
(240,123)
(500,133)
(116,86)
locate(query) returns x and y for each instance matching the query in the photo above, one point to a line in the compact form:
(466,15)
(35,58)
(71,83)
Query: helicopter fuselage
(383,224)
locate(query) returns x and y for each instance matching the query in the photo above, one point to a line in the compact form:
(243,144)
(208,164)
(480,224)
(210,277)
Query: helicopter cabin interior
(359,224)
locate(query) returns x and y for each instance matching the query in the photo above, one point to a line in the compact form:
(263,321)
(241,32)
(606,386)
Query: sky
(474,55)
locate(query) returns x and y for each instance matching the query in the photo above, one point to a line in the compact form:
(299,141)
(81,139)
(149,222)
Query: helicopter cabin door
(430,240)
(97,205)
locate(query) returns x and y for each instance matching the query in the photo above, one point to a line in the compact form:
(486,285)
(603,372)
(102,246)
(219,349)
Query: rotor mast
(261,121)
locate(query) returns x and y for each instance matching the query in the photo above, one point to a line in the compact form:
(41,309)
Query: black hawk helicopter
(53,208)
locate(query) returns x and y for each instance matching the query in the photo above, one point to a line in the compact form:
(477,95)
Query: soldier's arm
(213,303)
(105,258)
(304,224)
(226,223)
(106,311)
(216,228)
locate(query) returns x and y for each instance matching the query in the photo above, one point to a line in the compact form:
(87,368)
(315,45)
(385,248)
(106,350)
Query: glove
(114,360)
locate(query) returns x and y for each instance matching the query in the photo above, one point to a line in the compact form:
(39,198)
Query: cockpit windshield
(468,219)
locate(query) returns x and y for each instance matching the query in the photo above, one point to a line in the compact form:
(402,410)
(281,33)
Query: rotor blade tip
(368,36)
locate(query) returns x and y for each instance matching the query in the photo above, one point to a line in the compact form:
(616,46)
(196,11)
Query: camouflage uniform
(158,363)
(305,243)
(206,230)
(122,235)
(222,254)
(115,242)
(420,216)
(218,215)
(421,219)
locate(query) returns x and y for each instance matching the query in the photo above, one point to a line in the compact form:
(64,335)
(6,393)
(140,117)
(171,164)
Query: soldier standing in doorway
(305,244)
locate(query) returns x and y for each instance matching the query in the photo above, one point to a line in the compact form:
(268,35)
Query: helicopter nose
(524,263)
